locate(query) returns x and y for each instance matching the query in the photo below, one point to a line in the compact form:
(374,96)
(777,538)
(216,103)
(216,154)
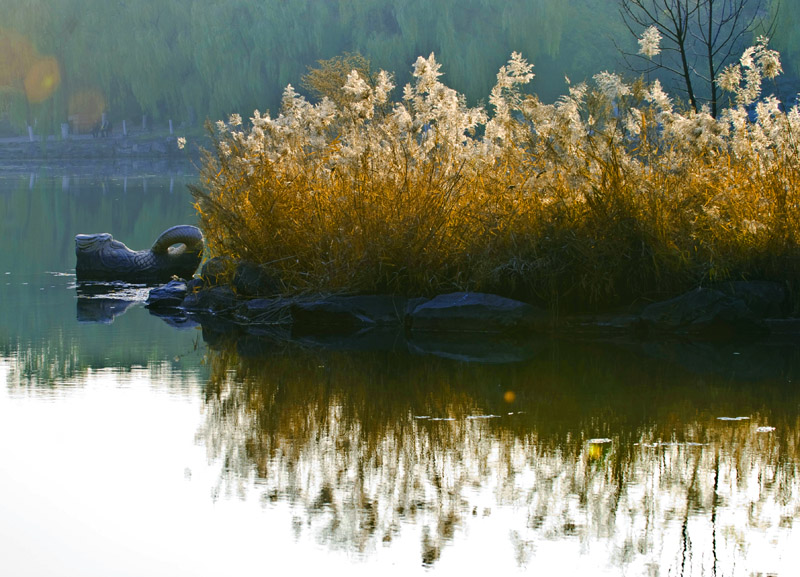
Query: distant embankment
(88,148)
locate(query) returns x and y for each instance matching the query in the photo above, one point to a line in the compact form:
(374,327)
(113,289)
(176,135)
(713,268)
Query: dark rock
(219,299)
(217,271)
(170,295)
(764,298)
(347,313)
(475,312)
(706,313)
(194,284)
(254,280)
(275,311)
(412,304)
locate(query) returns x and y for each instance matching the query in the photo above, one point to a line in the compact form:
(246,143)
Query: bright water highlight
(136,445)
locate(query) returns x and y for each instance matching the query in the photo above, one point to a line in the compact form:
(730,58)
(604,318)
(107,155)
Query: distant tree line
(191,59)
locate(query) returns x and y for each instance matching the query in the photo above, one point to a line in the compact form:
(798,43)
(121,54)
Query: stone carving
(176,252)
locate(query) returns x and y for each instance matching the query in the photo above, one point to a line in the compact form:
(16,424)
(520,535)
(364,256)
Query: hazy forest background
(189,60)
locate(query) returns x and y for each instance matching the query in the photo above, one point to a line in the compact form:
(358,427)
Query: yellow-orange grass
(602,237)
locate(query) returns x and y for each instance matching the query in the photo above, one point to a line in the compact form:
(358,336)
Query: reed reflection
(636,463)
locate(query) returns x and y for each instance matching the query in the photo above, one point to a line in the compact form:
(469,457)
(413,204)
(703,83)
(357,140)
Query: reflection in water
(622,461)
(654,458)
(38,308)
(101,310)
(101,302)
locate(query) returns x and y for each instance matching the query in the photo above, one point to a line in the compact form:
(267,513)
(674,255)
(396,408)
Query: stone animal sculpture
(177,252)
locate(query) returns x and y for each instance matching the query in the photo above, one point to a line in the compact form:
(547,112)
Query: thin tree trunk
(710,45)
(687,73)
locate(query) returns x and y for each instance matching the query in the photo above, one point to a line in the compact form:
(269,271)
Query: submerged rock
(733,359)
(465,311)
(347,313)
(474,347)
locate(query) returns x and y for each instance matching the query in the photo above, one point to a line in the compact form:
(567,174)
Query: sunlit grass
(612,194)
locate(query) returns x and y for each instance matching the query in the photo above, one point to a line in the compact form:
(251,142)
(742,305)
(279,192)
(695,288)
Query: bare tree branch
(700,38)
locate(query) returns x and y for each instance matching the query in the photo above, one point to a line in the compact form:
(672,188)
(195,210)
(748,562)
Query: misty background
(189,60)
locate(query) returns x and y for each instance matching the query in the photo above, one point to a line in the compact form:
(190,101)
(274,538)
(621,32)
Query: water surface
(135,445)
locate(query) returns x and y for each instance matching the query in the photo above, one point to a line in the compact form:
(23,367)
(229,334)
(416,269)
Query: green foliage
(786,38)
(187,58)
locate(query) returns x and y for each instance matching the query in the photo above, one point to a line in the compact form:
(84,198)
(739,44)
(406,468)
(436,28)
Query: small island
(615,198)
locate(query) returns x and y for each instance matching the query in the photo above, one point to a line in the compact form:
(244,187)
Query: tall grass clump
(614,192)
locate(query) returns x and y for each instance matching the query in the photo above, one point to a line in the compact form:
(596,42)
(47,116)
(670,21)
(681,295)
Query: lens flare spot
(86,109)
(16,56)
(509,396)
(42,79)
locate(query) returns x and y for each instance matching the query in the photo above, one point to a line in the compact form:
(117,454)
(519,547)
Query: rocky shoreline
(463,325)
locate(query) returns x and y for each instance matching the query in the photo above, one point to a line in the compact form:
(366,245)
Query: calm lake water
(135,445)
